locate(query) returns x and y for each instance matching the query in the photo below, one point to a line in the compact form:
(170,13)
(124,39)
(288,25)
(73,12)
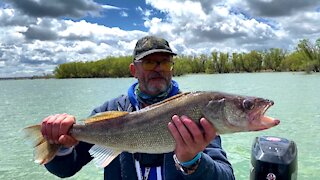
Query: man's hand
(55,129)
(190,140)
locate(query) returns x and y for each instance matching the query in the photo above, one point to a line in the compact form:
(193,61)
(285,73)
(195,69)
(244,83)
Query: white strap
(138,169)
(159,176)
(147,171)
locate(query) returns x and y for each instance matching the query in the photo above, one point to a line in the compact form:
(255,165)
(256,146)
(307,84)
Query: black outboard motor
(273,158)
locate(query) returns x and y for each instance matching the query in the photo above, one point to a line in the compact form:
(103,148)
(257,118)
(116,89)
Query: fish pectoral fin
(105,116)
(103,156)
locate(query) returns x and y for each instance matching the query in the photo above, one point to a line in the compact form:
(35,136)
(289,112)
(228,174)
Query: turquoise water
(26,102)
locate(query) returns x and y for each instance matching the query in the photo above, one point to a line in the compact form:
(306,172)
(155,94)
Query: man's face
(152,81)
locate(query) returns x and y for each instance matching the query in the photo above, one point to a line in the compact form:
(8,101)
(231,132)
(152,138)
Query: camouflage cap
(149,45)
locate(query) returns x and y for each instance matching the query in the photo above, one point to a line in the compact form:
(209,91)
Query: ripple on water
(296,105)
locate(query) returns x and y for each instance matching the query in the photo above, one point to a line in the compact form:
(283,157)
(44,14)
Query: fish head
(239,113)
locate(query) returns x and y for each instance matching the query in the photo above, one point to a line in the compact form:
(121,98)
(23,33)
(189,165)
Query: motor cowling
(273,158)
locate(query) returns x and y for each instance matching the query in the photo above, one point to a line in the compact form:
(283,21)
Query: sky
(38,35)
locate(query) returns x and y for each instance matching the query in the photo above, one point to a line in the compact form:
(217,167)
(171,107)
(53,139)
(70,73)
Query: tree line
(305,57)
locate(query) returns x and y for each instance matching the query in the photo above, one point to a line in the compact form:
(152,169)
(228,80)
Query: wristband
(192,164)
(192,161)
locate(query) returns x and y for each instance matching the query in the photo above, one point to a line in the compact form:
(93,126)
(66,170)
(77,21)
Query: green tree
(310,55)
(306,57)
(236,62)
(252,61)
(293,62)
(273,58)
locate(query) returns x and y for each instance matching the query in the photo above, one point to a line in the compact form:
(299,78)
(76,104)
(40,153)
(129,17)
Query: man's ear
(132,69)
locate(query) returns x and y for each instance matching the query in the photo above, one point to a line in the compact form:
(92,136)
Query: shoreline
(24,78)
(52,77)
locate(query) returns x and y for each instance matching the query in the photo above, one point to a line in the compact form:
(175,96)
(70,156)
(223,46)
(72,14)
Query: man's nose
(158,66)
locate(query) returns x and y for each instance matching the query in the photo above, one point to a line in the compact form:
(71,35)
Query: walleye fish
(146,130)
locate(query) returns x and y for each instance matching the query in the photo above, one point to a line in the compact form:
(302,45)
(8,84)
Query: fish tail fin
(43,150)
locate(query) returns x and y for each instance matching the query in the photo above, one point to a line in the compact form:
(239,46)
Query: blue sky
(123,14)
(38,35)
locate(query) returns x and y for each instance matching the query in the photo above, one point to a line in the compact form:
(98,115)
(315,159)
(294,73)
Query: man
(198,153)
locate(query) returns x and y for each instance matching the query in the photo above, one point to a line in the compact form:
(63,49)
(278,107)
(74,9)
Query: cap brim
(142,55)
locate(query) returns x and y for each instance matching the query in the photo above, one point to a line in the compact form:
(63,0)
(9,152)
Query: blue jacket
(213,165)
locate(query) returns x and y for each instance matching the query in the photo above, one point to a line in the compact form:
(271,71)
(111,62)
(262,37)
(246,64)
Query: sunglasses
(151,65)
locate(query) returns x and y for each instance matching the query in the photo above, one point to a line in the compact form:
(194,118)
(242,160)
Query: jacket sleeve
(68,165)
(214,164)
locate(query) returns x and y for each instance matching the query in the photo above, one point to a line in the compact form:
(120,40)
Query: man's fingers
(43,126)
(193,128)
(67,141)
(66,124)
(183,131)
(174,132)
(56,125)
(209,130)
(49,125)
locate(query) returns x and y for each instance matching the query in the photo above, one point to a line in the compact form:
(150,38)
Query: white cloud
(47,42)
(124,14)
(2,63)
(110,7)
(232,25)
(33,43)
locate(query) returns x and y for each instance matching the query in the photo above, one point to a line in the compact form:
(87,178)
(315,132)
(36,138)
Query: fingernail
(203,120)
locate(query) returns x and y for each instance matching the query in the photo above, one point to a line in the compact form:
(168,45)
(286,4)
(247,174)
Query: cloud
(220,25)
(37,35)
(10,17)
(277,8)
(110,7)
(124,14)
(234,25)
(40,33)
(56,8)
(36,48)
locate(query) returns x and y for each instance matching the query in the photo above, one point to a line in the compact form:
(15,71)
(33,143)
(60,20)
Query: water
(26,102)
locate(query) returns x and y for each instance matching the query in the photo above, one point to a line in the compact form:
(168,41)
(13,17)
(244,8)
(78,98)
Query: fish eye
(248,104)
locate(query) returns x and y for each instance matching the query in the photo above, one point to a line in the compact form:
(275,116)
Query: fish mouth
(259,121)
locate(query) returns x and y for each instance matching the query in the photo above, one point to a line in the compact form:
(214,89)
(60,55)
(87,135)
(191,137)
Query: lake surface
(27,102)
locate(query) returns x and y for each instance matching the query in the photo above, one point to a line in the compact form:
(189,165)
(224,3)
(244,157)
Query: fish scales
(146,130)
(143,130)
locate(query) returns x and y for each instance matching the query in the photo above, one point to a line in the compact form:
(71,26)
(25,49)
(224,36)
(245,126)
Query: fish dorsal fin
(103,156)
(105,116)
(169,99)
